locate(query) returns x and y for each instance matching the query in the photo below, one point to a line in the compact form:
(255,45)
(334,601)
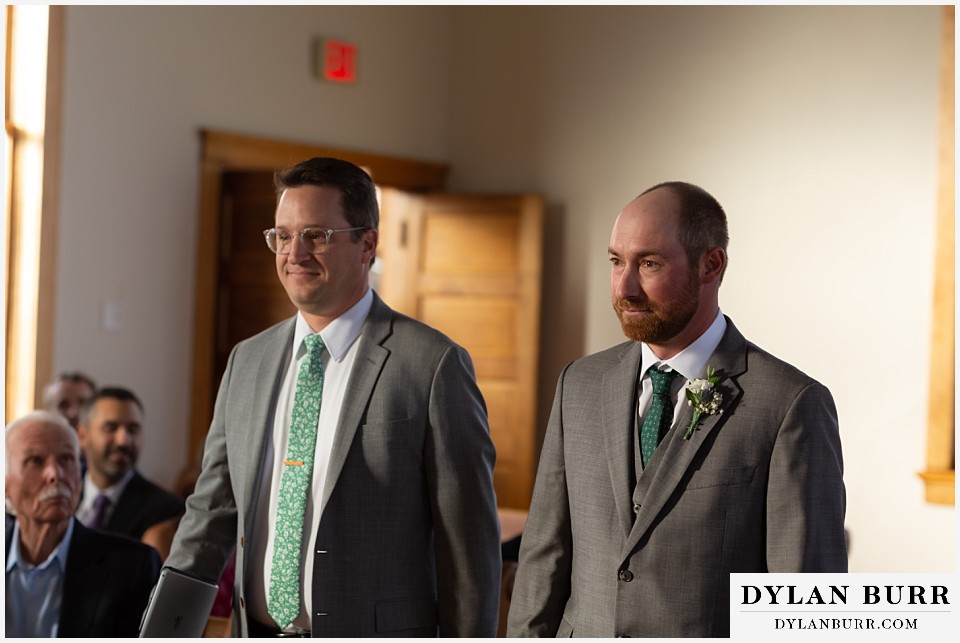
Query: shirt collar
(113,492)
(58,556)
(338,336)
(691,362)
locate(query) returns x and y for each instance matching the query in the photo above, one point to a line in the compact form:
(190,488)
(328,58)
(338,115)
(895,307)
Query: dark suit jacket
(758,488)
(107,583)
(409,541)
(141,506)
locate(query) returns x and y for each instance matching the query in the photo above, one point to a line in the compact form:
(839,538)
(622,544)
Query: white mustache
(59,491)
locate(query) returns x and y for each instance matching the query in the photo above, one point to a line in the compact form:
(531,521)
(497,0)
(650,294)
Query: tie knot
(314,344)
(100,505)
(662,380)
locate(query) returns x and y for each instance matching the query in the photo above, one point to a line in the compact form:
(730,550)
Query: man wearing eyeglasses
(349,459)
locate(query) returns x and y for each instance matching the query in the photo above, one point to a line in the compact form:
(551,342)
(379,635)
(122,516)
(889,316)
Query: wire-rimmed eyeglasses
(312,239)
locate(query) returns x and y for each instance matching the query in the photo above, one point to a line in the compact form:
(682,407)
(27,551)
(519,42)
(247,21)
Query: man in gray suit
(628,538)
(400,535)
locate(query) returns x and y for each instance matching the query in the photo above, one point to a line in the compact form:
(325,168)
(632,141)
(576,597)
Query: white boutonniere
(703,396)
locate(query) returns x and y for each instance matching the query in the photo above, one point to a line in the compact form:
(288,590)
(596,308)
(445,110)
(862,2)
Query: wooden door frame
(226,152)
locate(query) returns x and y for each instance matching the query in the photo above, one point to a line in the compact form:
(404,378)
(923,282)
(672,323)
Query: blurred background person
(116,497)
(67,393)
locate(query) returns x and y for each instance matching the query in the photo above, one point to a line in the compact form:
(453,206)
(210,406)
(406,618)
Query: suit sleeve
(806,499)
(459,460)
(207,532)
(542,585)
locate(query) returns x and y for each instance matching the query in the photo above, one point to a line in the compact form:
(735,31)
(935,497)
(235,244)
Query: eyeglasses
(312,239)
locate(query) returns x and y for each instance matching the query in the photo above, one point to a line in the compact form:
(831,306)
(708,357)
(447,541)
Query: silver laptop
(179,607)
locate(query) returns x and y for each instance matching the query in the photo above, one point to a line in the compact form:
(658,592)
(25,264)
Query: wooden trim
(941,460)
(225,151)
(528,334)
(50,217)
(205,308)
(7,67)
(242,152)
(33,193)
(940,488)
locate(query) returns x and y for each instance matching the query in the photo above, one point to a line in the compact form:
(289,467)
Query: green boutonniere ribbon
(703,396)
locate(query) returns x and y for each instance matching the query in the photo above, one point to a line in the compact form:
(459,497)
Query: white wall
(814,126)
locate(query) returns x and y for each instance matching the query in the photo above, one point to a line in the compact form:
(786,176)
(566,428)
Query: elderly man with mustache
(63,579)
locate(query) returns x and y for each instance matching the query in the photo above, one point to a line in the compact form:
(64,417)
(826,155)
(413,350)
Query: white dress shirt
(691,363)
(340,338)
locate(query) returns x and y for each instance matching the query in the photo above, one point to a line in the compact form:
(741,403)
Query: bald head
(700,219)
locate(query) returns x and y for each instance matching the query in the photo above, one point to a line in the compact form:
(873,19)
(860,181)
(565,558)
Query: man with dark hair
(62,579)
(67,393)
(349,459)
(116,497)
(674,459)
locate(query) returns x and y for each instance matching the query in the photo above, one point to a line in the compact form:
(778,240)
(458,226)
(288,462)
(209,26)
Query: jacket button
(626,575)
(636,509)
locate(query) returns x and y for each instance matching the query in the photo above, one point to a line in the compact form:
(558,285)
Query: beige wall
(814,126)
(140,82)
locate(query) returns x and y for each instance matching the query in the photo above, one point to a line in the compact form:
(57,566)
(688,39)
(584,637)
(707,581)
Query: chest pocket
(705,478)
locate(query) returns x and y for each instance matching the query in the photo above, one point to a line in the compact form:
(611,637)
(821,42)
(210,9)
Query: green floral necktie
(658,418)
(283,598)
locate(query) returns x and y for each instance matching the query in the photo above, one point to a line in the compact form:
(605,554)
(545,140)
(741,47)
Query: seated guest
(116,497)
(64,579)
(67,393)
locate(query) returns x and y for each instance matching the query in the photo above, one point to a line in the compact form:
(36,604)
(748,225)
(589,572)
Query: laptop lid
(179,607)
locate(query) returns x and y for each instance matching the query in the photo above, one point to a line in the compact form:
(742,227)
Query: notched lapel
(618,411)
(83,585)
(730,392)
(371,356)
(270,363)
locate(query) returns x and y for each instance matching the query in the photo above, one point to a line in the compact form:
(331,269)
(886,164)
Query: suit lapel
(83,584)
(270,367)
(618,409)
(371,356)
(678,454)
(127,505)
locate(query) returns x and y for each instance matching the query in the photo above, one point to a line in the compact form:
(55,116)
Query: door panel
(250,296)
(470,267)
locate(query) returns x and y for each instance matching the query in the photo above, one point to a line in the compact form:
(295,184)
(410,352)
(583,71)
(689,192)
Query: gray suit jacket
(409,535)
(758,488)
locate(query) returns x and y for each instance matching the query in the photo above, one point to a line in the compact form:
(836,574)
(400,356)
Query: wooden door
(470,267)
(250,297)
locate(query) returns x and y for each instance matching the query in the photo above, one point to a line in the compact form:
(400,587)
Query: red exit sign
(339,61)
